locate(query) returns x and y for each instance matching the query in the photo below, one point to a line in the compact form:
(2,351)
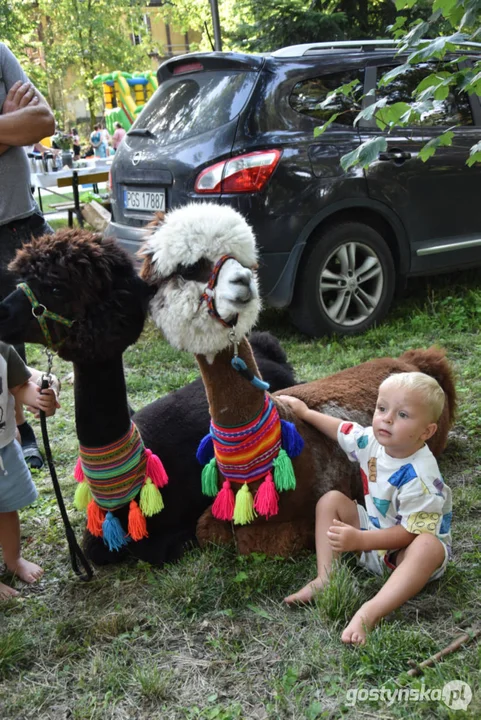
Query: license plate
(144,200)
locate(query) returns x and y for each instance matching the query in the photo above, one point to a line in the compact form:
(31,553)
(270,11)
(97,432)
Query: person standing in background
(25,118)
(118,135)
(75,144)
(96,140)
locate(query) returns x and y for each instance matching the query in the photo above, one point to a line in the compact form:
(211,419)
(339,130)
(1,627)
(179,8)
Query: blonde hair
(427,387)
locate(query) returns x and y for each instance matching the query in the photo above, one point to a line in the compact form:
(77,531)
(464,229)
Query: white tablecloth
(45,180)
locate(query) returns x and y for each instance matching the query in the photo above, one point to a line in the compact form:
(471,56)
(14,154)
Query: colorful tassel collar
(245,454)
(109,477)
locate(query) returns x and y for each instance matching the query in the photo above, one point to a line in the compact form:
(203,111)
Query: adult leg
(332,505)
(10,542)
(14,237)
(414,566)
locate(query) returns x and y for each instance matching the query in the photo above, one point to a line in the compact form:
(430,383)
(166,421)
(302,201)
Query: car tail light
(242,174)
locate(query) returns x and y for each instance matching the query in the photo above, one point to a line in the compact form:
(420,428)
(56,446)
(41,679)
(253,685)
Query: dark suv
(239,129)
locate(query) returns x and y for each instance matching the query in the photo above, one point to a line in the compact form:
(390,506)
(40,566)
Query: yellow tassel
(244,506)
(82,496)
(151,501)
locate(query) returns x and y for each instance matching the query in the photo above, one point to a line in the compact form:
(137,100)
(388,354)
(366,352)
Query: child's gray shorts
(16,485)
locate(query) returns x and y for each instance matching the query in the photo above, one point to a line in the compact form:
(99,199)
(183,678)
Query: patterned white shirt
(399,491)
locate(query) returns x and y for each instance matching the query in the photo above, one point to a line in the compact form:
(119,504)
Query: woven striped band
(245,453)
(115,473)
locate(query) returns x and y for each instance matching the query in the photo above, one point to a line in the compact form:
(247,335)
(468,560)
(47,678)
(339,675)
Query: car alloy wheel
(351,284)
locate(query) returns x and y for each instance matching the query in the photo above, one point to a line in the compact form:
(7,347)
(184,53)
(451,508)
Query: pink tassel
(78,472)
(223,507)
(155,469)
(266,501)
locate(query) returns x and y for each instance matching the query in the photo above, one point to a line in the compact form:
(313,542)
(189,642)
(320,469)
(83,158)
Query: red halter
(208,294)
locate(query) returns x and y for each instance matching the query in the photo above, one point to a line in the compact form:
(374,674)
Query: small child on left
(16,486)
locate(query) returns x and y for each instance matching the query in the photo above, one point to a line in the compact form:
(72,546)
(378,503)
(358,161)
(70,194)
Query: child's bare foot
(27,571)
(307,593)
(7,592)
(362,622)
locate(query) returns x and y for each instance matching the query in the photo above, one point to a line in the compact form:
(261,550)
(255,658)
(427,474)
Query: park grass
(209,638)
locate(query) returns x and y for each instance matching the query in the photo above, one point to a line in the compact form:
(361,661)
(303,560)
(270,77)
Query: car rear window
(193,104)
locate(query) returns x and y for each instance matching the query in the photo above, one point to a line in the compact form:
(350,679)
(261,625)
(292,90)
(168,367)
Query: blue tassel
(205,451)
(113,533)
(292,442)
(239,365)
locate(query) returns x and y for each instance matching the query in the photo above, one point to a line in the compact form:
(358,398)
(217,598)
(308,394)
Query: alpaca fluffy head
(83,278)
(178,261)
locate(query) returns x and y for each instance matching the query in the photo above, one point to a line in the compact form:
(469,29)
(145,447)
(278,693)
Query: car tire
(346,302)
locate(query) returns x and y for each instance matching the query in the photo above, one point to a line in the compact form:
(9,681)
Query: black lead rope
(76,553)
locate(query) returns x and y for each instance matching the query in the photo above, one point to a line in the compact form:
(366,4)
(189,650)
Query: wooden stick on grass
(417,668)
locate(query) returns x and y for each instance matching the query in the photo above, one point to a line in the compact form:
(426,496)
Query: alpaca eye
(199,271)
(56,291)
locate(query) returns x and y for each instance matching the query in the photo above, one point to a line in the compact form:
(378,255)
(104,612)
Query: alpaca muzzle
(208,294)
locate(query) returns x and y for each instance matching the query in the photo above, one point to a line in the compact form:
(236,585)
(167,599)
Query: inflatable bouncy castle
(125,94)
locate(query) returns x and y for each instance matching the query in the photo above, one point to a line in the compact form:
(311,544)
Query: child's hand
(46,401)
(298,406)
(343,537)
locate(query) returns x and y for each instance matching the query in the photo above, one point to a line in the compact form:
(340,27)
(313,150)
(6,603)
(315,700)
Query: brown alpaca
(211,321)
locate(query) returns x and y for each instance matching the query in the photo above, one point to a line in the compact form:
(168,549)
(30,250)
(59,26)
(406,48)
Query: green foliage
(89,37)
(365,154)
(16,27)
(255,26)
(474,154)
(275,23)
(454,23)
(444,140)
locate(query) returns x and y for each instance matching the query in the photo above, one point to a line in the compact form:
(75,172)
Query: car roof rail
(339,45)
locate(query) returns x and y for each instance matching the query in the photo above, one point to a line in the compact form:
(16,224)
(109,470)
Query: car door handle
(396,155)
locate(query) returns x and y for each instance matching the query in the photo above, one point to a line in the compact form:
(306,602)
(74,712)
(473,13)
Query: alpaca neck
(232,399)
(101,409)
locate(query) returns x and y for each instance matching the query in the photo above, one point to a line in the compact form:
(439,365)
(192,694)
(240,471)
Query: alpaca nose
(242,277)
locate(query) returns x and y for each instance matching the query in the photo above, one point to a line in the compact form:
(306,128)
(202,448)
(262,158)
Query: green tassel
(82,496)
(209,479)
(151,501)
(244,506)
(284,477)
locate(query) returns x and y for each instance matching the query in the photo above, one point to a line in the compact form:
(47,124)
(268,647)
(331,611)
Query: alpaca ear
(147,271)
(158,219)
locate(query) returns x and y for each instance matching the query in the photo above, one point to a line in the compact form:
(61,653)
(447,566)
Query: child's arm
(30,394)
(324,423)
(345,538)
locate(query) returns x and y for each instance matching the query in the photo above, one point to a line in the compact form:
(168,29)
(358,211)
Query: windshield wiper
(143,132)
